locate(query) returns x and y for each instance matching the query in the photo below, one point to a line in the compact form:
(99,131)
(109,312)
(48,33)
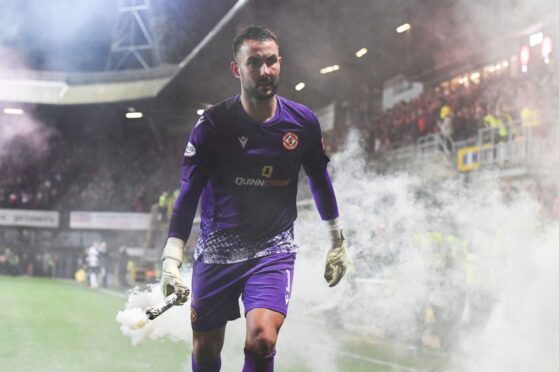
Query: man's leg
(266,295)
(206,350)
(262,328)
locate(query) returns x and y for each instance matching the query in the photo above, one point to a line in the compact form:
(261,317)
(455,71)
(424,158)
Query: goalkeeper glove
(336,259)
(171,280)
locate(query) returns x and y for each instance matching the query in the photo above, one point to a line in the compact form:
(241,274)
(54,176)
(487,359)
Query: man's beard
(256,93)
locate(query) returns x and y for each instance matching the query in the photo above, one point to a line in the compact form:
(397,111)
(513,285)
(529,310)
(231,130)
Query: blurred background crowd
(123,167)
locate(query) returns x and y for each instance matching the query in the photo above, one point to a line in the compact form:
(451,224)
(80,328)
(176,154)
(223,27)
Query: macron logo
(243,140)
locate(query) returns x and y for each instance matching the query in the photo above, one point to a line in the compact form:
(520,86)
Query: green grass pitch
(49,325)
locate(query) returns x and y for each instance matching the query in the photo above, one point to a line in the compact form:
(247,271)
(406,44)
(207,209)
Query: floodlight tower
(133,45)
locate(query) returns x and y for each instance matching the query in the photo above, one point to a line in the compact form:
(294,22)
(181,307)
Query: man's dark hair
(253,33)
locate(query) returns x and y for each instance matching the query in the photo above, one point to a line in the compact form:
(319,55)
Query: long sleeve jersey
(246,173)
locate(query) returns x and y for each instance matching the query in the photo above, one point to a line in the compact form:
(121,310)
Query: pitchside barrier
(514,146)
(29,218)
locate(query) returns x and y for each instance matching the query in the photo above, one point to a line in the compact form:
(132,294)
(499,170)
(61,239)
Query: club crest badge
(290,141)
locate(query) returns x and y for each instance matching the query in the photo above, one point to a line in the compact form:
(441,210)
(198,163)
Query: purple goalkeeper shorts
(263,282)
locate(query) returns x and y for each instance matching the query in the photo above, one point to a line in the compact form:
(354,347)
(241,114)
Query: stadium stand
(492,102)
(118,166)
(88,167)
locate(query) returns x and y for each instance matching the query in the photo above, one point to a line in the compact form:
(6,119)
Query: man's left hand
(336,261)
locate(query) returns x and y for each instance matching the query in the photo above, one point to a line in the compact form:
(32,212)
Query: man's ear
(235,69)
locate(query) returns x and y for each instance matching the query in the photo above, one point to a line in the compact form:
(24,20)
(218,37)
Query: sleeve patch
(190,150)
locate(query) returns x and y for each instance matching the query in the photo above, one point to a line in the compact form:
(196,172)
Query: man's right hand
(171,280)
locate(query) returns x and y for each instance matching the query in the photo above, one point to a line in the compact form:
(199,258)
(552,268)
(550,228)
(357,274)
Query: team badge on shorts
(290,141)
(193,315)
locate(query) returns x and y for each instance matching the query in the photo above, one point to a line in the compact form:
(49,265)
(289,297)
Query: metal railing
(434,145)
(509,145)
(519,145)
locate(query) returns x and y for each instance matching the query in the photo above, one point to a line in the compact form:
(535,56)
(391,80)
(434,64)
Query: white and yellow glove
(336,259)
(171,280)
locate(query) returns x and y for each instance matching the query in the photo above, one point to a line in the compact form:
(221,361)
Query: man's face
(257,66)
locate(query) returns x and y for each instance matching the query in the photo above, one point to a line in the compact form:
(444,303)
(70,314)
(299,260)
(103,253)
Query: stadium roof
(313,34)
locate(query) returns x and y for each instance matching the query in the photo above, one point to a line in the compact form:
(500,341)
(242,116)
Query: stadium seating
(121,167)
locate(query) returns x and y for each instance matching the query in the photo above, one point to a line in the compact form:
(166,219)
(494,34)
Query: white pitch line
(113,293)
(362,357)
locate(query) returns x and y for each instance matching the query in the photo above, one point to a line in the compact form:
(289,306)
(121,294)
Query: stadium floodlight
(300,86)
(134,115)
(329,69)
(200,112)
(361,52)
(403,28)
(13,111)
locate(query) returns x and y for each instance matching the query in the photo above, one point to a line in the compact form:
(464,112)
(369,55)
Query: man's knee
(205,352)
(262,341)
(206,346)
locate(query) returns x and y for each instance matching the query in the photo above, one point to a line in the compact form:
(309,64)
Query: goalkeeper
(243,159)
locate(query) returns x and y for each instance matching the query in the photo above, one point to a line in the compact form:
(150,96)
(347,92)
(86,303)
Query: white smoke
(44,33)
(173,324)
(508,322)
(23,136)
(490,21)
(522,331)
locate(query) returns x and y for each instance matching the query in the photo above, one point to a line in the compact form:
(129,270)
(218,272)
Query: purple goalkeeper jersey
(247,173)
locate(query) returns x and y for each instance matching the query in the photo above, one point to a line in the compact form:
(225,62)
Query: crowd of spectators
(125,167)
(125,171)
(89,167)
(32,179)
(17,262)
(459,112)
